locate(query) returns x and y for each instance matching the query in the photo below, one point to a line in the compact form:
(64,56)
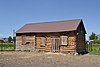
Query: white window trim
(64,40)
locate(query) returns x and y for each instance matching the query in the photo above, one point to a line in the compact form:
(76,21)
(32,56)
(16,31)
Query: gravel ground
(31,59)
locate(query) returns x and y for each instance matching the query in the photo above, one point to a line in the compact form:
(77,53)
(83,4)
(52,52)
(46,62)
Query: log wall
(80,39)
(38,42)
(81,43)
(71,43)
(48,46)
(48,37)
(29,44)
(48,43)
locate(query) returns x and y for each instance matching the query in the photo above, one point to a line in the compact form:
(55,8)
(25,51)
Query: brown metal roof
(56,26)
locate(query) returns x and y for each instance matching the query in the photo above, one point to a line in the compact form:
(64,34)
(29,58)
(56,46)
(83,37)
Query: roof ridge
(53,21)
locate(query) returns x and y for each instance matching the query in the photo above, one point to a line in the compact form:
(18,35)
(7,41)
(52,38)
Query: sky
(16,13)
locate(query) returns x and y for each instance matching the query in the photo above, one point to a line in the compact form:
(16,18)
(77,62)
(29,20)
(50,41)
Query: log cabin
(66,36)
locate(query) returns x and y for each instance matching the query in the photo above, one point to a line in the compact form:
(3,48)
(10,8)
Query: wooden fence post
(1,45)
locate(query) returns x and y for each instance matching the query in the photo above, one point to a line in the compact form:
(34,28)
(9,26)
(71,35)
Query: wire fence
(93,47)
(7,46)
(12,47)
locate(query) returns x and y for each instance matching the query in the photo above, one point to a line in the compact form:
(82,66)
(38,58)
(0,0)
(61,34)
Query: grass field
(94,49)
(7,46)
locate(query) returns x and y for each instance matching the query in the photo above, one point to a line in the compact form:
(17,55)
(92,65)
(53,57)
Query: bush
(94,49)
(1,41)
(96,41)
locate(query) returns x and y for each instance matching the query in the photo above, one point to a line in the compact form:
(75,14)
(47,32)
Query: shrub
(96,41)
(1,41)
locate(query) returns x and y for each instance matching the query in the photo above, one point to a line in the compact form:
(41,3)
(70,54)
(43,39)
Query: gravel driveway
(31,59)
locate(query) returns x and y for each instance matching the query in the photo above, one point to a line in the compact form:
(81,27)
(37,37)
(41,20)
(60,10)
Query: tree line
(95,37)
(11,39)
(8,40)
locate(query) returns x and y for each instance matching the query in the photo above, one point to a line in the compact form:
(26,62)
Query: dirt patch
(31,59)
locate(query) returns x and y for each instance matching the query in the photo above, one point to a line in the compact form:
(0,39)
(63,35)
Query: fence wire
(7,46)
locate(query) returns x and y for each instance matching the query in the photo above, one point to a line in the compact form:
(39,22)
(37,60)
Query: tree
(98,36)
(14,38)
(93,36)
(10,39)
(1,41)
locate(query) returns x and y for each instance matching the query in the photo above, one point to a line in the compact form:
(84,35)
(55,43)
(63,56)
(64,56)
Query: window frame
(64,40)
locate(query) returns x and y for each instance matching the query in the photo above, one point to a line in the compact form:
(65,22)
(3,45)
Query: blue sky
(16,13)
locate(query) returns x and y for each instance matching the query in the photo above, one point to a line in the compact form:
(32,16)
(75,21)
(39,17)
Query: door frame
(55,46)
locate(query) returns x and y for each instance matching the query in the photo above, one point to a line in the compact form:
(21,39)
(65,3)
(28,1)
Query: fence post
(91,46)
(1,45)
(14,39)
(14,45)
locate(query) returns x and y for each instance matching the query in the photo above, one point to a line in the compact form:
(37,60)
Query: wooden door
(55,44)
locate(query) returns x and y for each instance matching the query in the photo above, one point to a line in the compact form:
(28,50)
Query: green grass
(95,52)
(94,49)
(7,46)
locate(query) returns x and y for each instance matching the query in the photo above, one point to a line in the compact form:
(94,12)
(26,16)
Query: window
(23,39)
(43,42)
(64,40)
